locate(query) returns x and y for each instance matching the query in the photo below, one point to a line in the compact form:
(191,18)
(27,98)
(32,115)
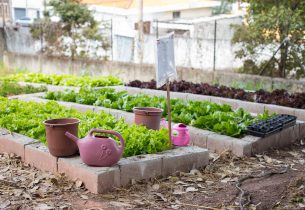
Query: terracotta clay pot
(148,116)
(58,143)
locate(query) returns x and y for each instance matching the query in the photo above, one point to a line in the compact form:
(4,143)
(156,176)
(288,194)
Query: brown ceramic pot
(58,143)
(148,116)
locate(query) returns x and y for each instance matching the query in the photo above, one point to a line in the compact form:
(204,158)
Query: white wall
(31,5)
(123,25)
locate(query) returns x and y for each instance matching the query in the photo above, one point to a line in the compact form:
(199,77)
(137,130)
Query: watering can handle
(109,132)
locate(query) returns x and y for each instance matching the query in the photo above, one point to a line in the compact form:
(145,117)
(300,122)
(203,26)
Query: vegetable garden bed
(252,107)
(277,97)
(26,118)
(156,158)
(245,146)
(64,79)
(201,114)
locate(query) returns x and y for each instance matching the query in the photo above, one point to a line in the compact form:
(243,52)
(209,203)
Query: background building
(27,8)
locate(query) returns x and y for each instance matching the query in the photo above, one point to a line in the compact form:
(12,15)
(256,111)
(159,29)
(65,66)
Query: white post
(140,30)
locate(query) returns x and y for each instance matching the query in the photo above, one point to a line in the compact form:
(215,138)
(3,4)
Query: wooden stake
(169,110)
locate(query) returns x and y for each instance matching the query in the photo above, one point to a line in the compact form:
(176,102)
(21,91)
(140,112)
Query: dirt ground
(274,180)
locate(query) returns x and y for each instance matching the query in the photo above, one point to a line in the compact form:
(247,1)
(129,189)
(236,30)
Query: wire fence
(206,46)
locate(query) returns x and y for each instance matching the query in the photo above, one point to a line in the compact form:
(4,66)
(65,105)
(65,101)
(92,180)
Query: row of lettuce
(13,88)
(206,115)
(26,118)
(64,79)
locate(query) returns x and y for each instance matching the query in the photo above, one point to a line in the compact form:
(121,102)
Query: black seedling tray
(273,125)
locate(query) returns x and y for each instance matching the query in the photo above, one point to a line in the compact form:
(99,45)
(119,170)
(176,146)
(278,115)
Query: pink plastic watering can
(98,150)
(180,133)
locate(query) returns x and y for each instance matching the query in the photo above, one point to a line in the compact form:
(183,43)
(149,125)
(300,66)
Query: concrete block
(250,139)
(96,179)
(14,143)
(128,116)
(300,114)
(219,143)
(232,102)
(199,137)
(134,90)
(279,109)
(81,107)
(150,92)
(140,167)
(34,99)
(289,135)
(117,88)
(62,88)
(302,130)
(264,144)
(251,107)
(242,148)
(184,159)
(38,155)
(177,95)
(197,97)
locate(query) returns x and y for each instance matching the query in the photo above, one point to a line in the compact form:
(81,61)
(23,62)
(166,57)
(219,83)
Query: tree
(76,34)
(277,26)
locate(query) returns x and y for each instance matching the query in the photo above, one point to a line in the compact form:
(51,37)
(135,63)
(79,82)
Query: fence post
(214,56)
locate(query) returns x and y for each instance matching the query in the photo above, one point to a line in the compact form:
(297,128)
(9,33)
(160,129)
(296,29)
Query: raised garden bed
(234,103)
(277,97)
(103,179)
(246,146)
(206,115)
(26,118)
(64,79)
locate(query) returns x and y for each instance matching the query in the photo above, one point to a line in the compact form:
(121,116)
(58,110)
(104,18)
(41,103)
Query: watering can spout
(72,137)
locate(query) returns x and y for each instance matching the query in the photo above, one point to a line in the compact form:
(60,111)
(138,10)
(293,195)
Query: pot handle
(117,134)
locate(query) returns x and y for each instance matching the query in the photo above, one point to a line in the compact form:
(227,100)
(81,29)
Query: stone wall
(130,71)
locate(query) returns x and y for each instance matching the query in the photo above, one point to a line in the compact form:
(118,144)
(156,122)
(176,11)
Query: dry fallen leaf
(161,196)
(85,197)
(78,183)
(4,204)
(43,207)
(178,192)
(156,187)
(191,189)
(181,183)
(267,159)
(195,172)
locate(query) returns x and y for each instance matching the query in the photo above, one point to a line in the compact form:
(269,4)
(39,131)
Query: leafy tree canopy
(276,27)
(76,34)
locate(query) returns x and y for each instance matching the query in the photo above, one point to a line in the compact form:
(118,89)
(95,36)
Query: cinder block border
(210,140)
(14,143)
(103,179)
(38,155)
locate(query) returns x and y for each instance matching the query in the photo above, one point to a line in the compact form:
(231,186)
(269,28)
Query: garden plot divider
(246,105)
(246,146)
(103,179)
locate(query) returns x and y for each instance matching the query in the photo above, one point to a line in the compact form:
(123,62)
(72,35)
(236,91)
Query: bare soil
(274,180)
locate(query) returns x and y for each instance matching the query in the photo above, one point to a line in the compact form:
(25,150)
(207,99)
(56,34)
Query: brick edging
(103,179)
